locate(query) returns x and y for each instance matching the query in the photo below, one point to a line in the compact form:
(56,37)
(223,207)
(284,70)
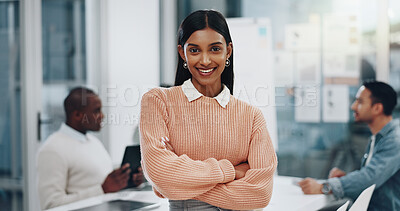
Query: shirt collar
(389,126)
(67,130)
(192,93)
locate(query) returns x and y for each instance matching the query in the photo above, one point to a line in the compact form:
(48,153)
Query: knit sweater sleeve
(175,177)
(52,181)
(255,189)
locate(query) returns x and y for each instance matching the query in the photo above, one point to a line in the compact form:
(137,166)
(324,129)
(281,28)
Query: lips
(206,72)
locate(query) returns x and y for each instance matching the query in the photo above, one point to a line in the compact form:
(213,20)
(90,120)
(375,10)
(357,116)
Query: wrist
(326,188)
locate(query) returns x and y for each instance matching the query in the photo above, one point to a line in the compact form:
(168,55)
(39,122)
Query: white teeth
(206,71)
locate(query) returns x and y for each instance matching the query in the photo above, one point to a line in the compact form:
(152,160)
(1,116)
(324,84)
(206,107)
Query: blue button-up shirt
(382,170)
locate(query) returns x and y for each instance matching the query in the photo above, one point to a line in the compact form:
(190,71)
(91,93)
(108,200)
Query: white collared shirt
(192,93)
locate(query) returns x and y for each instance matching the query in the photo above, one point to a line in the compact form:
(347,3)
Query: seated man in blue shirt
(380,165)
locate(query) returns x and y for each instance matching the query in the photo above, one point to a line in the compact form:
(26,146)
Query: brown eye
(215,49)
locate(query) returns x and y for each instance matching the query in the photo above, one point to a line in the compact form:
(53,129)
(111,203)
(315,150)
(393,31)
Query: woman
(201,147)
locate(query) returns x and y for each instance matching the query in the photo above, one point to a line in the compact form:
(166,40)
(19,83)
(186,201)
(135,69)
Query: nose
(354,106)
(101,116)
(205,59)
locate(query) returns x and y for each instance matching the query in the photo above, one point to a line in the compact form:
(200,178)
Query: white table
(285,196)
(142,196)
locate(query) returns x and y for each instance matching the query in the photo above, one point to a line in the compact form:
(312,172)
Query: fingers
(241,169)
(121,176)
(310,186)
(125,166)
(121,170)
(304,184)
(336,172)
(307,181)
(138,178)
(167,144)
(124,178)
(116,180)
(244,166)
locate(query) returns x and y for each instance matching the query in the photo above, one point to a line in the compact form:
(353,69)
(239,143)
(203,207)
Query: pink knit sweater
(209,141)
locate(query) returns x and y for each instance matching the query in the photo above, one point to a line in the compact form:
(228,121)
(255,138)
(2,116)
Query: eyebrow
(214,43)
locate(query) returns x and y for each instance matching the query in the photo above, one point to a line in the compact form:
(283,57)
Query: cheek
(219,59)
(361,108)
(98,116)
(191,60)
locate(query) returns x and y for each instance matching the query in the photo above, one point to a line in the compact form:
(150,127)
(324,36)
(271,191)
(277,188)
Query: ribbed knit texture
(208,141)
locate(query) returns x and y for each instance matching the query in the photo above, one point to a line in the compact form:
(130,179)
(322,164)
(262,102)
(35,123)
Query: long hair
(199,20)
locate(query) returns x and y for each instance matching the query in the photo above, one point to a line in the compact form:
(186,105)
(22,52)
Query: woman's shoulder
(247,109)
(244,105)
(163,93)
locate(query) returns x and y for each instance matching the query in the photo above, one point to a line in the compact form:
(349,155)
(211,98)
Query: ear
(377,108)
(229,50)
(181,52)
(77,115)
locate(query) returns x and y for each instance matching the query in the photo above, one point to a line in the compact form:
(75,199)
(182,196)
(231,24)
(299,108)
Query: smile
(206,71)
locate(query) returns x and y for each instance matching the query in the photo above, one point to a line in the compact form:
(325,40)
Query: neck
(75,127)
(210,91)
(378,123)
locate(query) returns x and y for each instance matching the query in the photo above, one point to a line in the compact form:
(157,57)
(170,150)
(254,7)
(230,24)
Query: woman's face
(206,52)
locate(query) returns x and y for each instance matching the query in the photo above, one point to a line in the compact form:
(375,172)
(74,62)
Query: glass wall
(322,51)
(394,37)
(64,66)
(10,120)
(64,58)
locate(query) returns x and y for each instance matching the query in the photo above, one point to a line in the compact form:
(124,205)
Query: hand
(117,179)
(310,186)
(167,144)
(336,172)
(241,169)
(137,178)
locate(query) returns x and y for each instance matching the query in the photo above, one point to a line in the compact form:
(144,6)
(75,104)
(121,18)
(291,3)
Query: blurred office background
(309,55)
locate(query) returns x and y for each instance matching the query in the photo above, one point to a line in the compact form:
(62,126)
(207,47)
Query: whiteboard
(253,67)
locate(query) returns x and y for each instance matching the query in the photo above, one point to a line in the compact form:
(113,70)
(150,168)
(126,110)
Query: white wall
(131,53)
(169,28)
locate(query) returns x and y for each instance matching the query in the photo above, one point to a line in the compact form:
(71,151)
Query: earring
(185,65)
(227,63)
